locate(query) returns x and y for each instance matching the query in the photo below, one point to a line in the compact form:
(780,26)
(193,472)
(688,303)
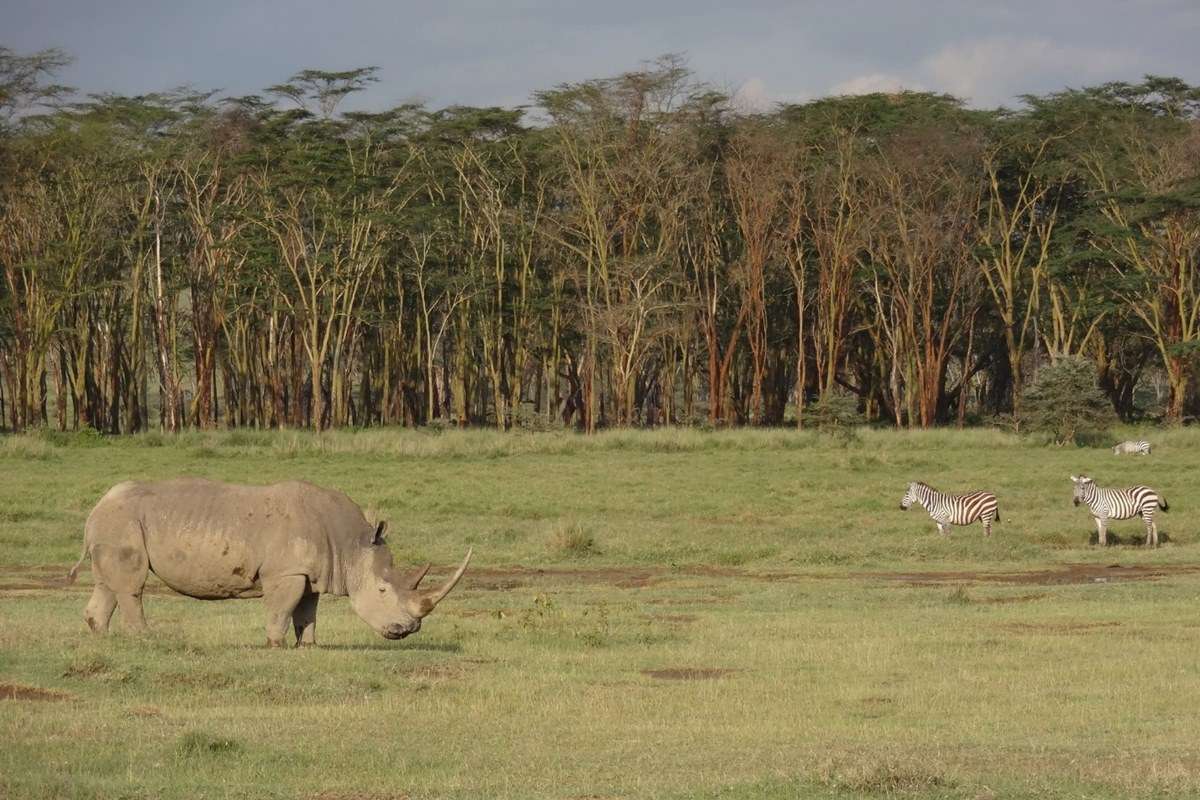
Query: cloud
(755,96)
(991,71)
(875,82)
(994,70)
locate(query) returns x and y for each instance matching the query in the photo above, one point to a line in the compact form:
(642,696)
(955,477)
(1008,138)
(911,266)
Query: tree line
(634,250)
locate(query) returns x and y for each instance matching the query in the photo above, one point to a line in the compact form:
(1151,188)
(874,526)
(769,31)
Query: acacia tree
(922,233)
(757,181)
(1020,215)
(835,218)
(213,197)
(1149,202)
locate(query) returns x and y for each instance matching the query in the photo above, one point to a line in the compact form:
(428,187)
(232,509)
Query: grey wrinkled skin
(288,543)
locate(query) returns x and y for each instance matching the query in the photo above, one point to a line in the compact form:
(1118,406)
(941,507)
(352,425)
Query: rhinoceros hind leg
(131,611)
(304,618)
(282,595)
(120,565)
(100,609)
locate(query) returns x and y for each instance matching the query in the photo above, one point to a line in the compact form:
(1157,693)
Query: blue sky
(476,52)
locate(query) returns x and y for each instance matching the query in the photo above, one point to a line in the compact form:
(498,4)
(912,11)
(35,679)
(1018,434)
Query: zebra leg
(987,524)
(1101,538)
(1151,530)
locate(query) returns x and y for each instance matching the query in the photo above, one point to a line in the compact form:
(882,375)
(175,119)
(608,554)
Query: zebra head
(1083,487)
(910,496)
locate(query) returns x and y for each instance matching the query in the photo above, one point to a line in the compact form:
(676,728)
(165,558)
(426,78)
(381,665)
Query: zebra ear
(1074,479)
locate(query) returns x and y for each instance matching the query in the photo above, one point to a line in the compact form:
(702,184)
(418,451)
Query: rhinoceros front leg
(304,618)
(282,595)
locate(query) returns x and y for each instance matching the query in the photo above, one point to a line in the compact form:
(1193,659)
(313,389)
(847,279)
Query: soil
(672,618)
(1066,574)
(13,691)
(1058,627)
(52,577)
(687,673)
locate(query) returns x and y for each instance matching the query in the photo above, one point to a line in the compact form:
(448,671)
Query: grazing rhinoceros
(288,543)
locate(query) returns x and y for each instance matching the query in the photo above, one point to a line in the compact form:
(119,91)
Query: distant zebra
(1106,504)
(1140,446)
(953,509)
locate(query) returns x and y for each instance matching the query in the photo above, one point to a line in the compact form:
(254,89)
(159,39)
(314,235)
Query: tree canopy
(632,250)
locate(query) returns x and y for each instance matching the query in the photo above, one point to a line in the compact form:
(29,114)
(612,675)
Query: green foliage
(1065,402)
(205,743)
(836,415)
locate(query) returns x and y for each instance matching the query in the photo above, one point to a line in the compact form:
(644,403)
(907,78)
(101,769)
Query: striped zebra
(1140,446)
(953,509)
(1106,504)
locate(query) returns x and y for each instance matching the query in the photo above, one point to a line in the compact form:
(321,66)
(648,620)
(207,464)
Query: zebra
(953,509)
(1106,504)
(1140,446)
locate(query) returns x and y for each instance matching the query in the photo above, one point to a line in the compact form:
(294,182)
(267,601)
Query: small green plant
(959,596)
(571,540)
(205,743)
(1065,402)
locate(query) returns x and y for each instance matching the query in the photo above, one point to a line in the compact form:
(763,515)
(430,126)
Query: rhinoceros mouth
(394,636)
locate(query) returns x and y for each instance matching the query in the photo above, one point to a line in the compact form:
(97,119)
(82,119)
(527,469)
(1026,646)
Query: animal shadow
(1130,540)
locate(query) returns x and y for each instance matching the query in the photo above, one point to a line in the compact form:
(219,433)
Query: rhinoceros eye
(382,589)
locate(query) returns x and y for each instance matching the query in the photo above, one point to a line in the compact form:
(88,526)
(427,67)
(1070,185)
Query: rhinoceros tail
(74,573)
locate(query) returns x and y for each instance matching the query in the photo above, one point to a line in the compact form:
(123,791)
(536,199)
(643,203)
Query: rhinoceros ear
(380,532)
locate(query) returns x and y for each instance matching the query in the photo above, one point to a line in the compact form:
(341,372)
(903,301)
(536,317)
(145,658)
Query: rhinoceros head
(391,601)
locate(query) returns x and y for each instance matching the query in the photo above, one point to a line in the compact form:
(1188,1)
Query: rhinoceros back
(215,540)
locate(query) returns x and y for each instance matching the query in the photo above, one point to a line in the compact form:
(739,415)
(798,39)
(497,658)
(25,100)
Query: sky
(498,53)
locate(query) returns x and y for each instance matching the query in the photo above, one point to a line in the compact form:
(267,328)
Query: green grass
(671,614)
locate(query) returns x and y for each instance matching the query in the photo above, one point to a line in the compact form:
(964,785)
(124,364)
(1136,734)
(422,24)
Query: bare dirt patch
(14,691)
(678,619)
(500,578)
(1066,574)
(146,711)
(33,569)
(687,673)
(1067,628)
(1019,598)
(434,672)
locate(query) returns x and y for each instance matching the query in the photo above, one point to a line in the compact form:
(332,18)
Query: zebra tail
(997,513)
(1162,503)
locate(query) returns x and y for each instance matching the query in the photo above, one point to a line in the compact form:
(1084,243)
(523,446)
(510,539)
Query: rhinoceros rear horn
(413,579)
(434,596)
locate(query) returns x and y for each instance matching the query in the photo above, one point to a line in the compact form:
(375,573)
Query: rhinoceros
(288,543)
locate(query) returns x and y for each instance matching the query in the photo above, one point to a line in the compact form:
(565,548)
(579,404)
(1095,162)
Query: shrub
(1066,403)
(205,743)
(836,415)
(572,541)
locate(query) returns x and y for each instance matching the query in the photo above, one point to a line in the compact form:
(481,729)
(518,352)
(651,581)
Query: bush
(1066,403)
(836,415)
(570,540)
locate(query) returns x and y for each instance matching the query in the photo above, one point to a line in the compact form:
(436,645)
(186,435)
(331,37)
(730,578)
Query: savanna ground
(671,614)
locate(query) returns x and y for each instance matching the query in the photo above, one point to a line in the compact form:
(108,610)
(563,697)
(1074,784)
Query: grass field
(670,614)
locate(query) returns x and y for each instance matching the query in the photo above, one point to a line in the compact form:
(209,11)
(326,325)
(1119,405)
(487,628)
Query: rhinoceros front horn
(434,596)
